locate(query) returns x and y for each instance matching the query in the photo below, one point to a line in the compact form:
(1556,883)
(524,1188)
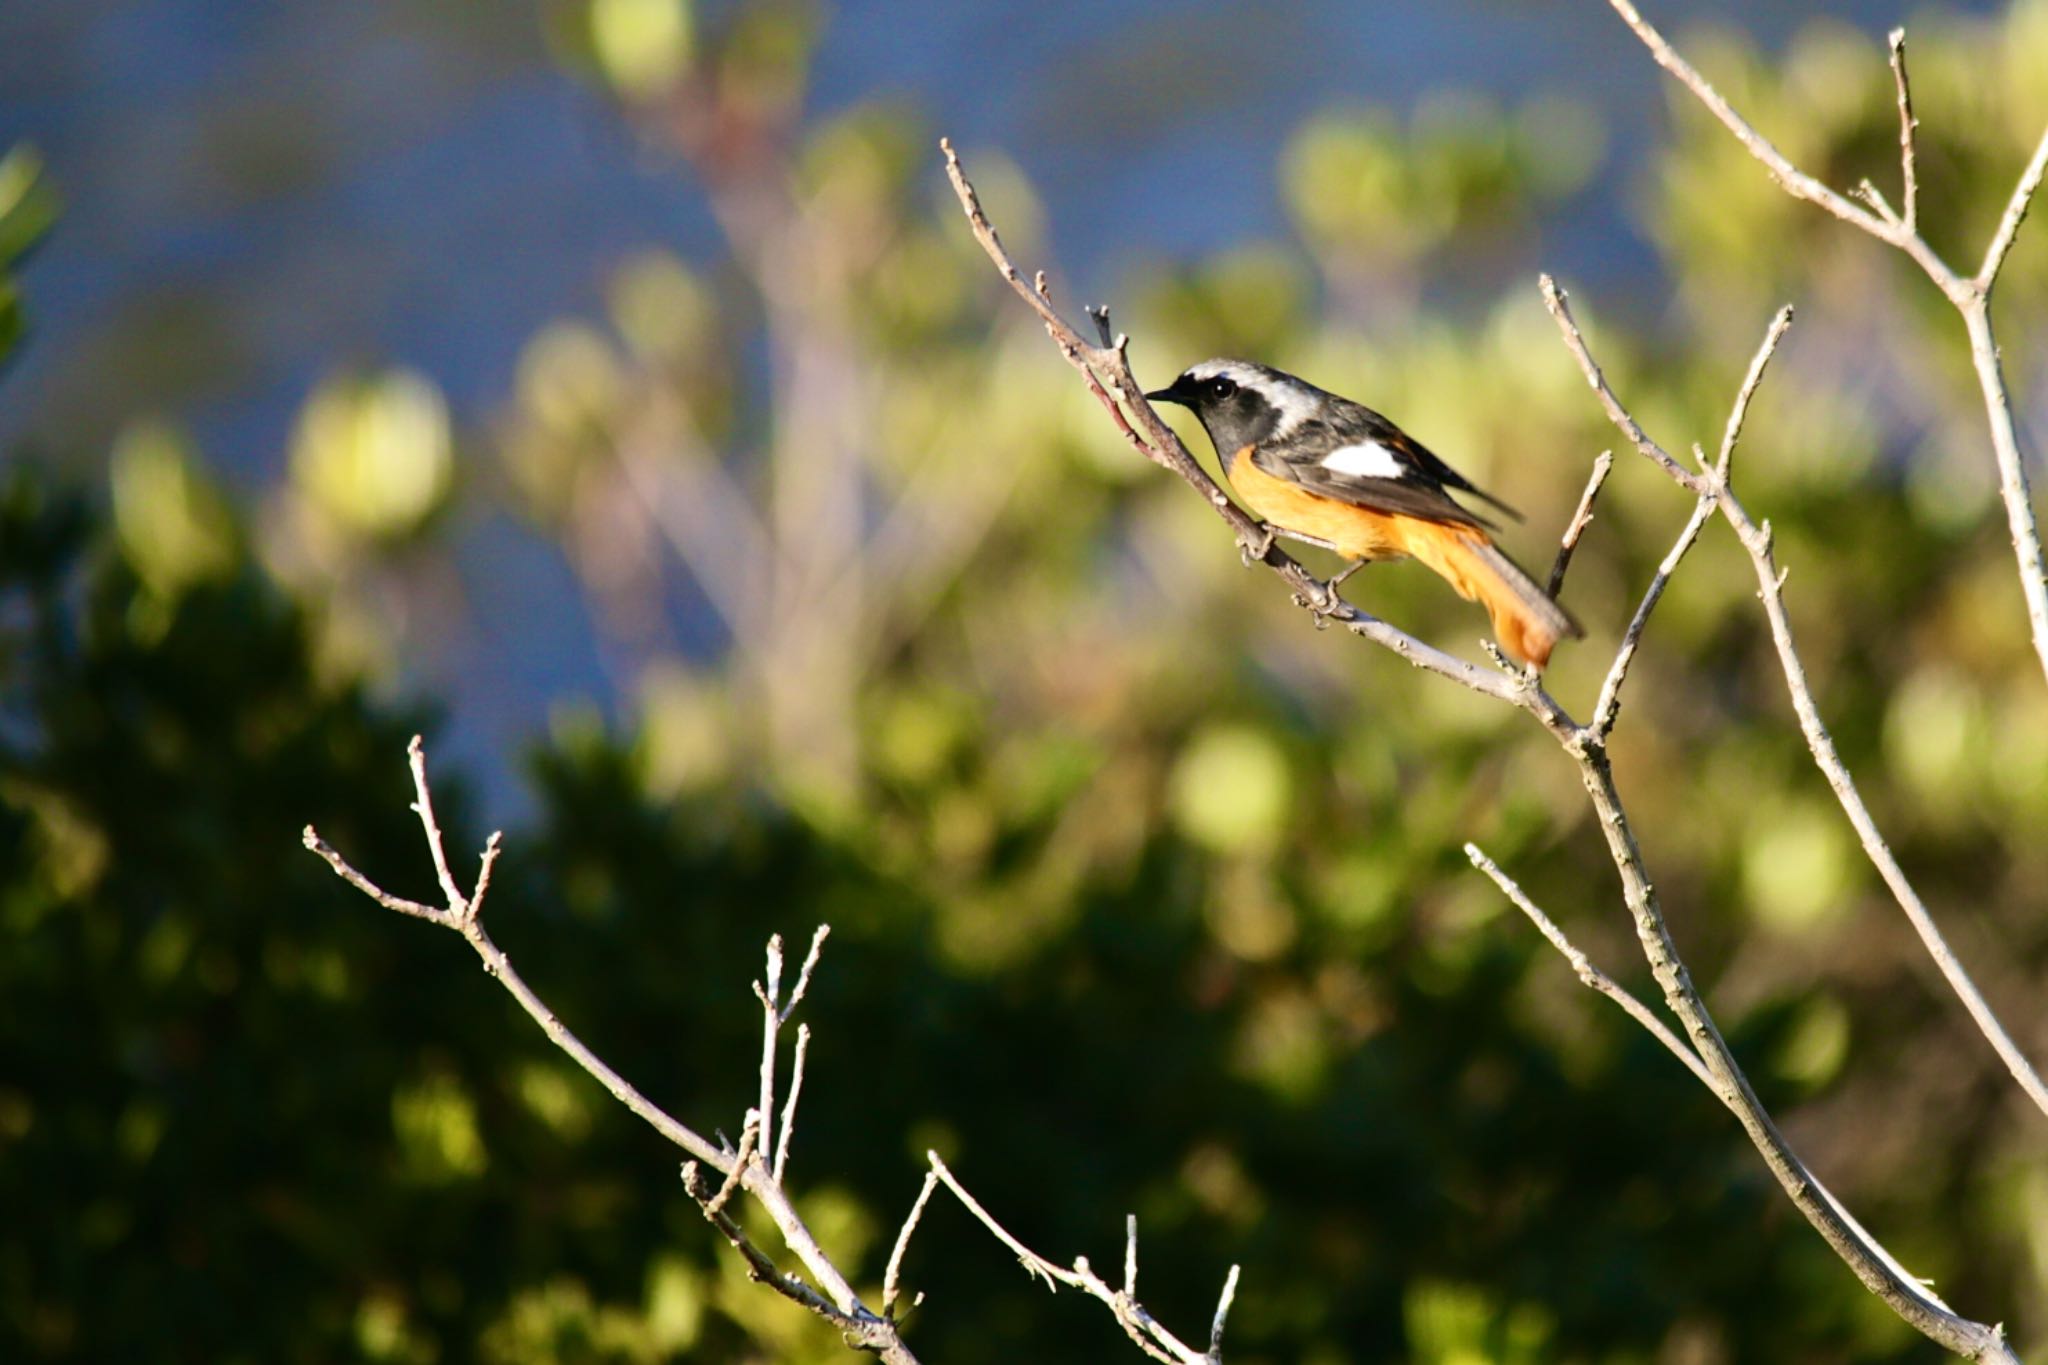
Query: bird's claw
(1252,551)
(1327,602)
(1322,600)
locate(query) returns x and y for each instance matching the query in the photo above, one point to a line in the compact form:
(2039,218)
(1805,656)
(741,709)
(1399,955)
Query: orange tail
(1526,621)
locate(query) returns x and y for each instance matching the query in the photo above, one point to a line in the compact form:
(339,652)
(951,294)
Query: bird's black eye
(1220,387)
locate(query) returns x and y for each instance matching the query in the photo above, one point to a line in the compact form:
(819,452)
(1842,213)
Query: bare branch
(1034,1264)
(1554,300)
(1738,412)
(803,976)
(837,1302)
(1971,296)
(1223,1302)
(750,1136)
(1878,1271)
(1609,704)
(1131,1253)
(1757,540)
(892,1277)
(423,806)
(796,1087)
(1138,1324)
(342,869)
(492,847)
(1771,589)
(1794,181)
(1603,464)
(2015,214)
(1608,707)
(2013,486)
(760,1266)
(1590,974)
(771,1027)
(1909,170)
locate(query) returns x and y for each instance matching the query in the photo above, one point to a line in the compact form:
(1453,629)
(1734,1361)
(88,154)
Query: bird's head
(1240,404)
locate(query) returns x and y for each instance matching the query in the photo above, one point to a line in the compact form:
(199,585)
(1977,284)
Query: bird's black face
(1232,406)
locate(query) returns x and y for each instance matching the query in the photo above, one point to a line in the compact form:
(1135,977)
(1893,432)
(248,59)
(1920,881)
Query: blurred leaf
(643,46)
(175,528)
(374,453)
(1231,789)
(28,206)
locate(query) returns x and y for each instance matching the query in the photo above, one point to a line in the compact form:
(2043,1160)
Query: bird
(1321,468)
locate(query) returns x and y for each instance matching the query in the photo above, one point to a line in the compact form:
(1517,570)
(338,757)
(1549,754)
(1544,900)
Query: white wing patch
(1366,460)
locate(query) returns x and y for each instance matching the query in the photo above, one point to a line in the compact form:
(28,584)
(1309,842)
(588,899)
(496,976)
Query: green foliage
(1145,896)
(27,208)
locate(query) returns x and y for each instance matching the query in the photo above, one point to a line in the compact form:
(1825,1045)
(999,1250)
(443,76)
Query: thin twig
(1795,182)
(498,966)
(1138,1324)
(892,1277)
(1771,589)
(1603,464)
(750,1137)
(1560,309)
(1909,170)
(1590,974)
(2015,214)
(760,1266)
(771,1027)
(423,806)
(492,847)
(1608,707)
(312,840)
(796,1088)
(1131,1254)
(1223,1302)
(803,975)
(1738,412)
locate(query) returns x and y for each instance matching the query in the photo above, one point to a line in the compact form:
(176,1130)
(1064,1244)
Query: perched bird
(1333,472)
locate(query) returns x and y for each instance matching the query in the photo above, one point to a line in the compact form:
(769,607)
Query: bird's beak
(1167,395)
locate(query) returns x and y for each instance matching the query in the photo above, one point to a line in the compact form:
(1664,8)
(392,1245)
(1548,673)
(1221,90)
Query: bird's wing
(1355,455)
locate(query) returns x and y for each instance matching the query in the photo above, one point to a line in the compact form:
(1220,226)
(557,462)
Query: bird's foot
(1323,601)
(1253,549)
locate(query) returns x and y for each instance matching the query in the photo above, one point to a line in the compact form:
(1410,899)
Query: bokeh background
(609,389)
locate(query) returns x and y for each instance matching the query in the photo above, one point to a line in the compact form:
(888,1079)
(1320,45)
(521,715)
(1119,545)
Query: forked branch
(745,1168)
(1970,294)
(1585,744)
(749,1168)
(1146,1331)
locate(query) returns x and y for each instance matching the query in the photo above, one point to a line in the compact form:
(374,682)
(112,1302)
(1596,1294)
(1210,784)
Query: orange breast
(1354,531)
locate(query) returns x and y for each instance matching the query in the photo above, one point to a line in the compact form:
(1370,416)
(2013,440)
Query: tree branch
(1971,295)
(1106,370)
(743,1169)
(1909,171)
(1586,747)
(1872,1264)
(1138,1324)
(1560,309)
(1758,542)
(1608,707)
(2015,214)
(1590,974)
(1603,464)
